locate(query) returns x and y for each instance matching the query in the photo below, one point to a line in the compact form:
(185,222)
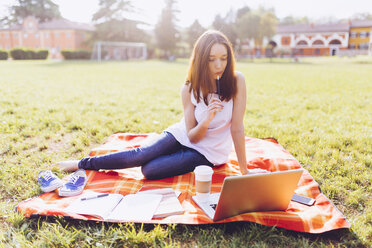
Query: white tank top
(217,142)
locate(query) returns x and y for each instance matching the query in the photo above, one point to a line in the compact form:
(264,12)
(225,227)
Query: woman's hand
(244,170)
(253,171)
(257,170)
(214,107)
(196,131)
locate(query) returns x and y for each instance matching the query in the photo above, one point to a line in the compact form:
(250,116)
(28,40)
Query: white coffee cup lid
(203,173)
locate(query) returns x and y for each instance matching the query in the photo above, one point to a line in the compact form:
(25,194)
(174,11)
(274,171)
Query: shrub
(67,54)
(20,54)
(30,54)
(3,55)
(77,54)
(41,54)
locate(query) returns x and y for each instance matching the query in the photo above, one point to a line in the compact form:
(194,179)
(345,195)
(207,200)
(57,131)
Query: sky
(205,10)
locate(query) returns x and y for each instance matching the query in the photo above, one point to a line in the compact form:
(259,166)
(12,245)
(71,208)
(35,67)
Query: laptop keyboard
(213,206)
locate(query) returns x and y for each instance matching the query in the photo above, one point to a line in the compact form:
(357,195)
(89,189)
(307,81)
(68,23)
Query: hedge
(21,54)
(76,54)
(3,55)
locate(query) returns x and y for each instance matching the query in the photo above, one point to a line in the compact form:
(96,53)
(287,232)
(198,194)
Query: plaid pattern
(266,154)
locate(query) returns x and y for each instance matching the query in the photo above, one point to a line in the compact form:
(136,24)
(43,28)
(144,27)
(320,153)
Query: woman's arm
(237,126)
(196,131)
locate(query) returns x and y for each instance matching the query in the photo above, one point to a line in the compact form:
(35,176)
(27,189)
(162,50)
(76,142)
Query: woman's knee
(148,172)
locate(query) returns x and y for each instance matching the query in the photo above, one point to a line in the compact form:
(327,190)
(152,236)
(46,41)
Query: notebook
(116,207)
(251,193)
(169,205)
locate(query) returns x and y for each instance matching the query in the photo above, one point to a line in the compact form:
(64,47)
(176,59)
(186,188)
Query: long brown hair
(198,74)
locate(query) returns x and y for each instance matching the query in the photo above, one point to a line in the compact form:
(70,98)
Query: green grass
(318,109)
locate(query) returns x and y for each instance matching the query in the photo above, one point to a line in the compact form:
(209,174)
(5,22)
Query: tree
(111,24)
(165,30)
(248,26)
(268,24)
(119,30)
(112,10)
(227,27)
(242,11)
(193,33)
(362,16)
(289,20)
(256,25)
(269,51)
(43,10)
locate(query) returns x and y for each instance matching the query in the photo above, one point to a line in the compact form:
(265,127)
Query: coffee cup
(203,181)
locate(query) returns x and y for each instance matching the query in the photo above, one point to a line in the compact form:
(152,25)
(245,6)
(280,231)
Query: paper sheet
(99,207)
(136,207)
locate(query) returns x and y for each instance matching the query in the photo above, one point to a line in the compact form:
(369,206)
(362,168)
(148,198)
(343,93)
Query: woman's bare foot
(69,165)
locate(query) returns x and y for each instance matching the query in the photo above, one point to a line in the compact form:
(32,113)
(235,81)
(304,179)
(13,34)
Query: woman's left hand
(257,170)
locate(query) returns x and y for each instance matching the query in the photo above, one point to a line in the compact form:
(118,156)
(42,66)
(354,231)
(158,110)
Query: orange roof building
(54,35)
(324,39)
(313,40)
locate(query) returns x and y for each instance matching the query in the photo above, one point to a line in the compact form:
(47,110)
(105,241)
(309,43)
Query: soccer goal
(109,50)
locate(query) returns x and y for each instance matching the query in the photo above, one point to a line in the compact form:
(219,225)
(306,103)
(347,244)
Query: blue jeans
(164,157)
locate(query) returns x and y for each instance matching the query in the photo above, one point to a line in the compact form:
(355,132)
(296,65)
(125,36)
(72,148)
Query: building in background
(360,34)
(311,39)
(342,39)
(54,35)
(350,39)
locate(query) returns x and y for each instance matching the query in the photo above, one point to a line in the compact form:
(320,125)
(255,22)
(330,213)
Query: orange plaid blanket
(266,154)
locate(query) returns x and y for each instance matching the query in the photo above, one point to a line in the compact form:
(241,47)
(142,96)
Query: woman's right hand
(214,106)
(197,130)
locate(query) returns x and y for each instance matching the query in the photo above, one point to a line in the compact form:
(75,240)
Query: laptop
(251,193)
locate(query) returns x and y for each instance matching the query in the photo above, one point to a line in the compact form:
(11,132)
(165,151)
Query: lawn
(319,109)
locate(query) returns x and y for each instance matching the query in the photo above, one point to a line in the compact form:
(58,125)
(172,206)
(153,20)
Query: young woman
(214,100)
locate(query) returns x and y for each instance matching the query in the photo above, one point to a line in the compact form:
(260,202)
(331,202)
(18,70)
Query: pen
(218,87)
(94,197)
